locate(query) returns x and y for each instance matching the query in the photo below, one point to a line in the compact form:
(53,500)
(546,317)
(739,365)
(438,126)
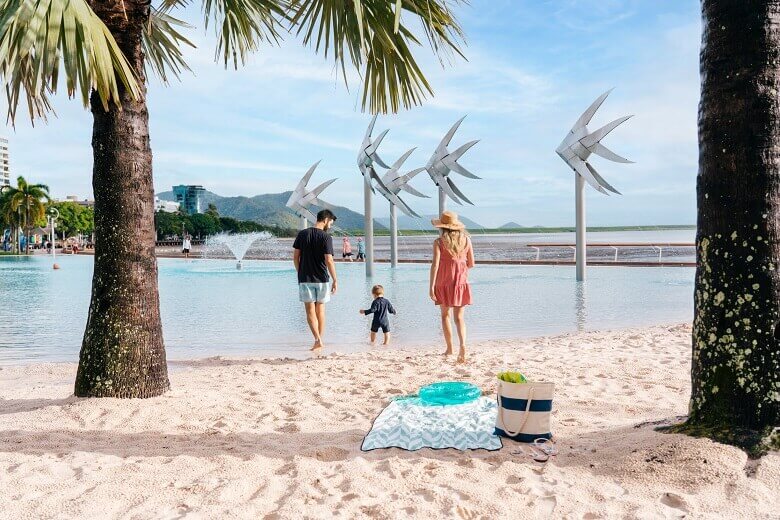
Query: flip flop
(540,450)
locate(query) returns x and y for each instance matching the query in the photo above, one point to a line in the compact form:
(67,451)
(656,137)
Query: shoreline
(241,437)
(595,263)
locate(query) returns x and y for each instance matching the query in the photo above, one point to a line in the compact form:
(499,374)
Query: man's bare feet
(462,355)
(317,345)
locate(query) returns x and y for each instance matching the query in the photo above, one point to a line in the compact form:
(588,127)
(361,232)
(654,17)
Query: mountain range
(424,223)
(270,210)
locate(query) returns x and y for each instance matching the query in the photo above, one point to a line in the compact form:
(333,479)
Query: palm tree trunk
(736,328)
(123,354)
(27,229)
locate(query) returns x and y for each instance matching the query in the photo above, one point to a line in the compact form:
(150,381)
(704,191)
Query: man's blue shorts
(314,292)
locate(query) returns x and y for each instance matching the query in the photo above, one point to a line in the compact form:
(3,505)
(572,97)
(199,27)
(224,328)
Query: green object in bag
(512,377)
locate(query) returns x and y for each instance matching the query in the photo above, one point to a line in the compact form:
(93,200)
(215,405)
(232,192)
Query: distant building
(5,166)
(165,205)
(189,197)
(85,203)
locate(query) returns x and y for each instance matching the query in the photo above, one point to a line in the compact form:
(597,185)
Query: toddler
(380,308)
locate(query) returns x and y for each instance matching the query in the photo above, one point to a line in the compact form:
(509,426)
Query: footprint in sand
(290,411)
(426,494)
(674,501)
(544,506)
(331,454)
(465,513)
(289,428)
(513,479)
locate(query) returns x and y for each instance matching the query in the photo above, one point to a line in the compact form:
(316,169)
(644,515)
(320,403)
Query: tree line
(24,207)
(200,225)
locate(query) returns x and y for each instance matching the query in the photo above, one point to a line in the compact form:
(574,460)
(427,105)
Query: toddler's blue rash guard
(380,309)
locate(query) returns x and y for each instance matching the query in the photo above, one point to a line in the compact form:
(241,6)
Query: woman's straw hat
(448,220)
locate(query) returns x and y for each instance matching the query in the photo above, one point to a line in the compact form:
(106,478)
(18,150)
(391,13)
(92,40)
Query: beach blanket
(411,425)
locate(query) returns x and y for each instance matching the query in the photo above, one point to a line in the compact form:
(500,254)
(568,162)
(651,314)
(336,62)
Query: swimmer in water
(238,265)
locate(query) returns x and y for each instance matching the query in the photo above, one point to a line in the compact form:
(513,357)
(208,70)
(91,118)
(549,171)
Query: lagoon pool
(210,308)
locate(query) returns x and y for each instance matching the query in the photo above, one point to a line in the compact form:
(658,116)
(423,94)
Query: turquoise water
(210,308)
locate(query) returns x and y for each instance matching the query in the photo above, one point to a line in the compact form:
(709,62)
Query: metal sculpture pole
(367,157)
(442,162)
(581,257)
(575,149)
(392,183)
(368,229)
(302,200)
(393,235)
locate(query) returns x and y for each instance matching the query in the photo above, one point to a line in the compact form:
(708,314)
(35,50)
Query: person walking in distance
(361,254)
(346,249)
(186,245)
(313,259)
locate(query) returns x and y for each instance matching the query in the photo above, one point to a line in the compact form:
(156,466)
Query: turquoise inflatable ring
(449,393)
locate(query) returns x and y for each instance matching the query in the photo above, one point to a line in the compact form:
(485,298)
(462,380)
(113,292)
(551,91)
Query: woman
(346,249)
(453,256)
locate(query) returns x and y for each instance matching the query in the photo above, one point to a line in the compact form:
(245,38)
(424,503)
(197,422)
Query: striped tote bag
(524,410)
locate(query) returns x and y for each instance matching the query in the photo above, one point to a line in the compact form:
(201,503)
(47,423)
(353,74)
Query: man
(313,259)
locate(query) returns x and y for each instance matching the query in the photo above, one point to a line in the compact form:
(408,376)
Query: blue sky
(533,66)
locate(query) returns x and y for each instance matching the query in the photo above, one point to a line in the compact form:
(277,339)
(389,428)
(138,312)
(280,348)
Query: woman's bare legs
(446,328)
(460,323)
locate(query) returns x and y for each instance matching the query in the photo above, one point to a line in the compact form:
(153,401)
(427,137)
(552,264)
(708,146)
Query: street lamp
(51,218)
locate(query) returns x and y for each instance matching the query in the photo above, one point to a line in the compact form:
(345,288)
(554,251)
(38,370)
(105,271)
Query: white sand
(248,438)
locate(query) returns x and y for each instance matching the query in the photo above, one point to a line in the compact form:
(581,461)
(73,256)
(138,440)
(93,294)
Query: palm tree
(736,330)
(26,205)
(9,217)
(107,49)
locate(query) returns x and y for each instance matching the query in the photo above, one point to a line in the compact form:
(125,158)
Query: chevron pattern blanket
(410,425)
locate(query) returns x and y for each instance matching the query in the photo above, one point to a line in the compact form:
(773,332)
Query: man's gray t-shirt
(314,244)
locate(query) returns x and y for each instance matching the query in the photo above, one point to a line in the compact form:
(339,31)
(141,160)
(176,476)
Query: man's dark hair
(325,213)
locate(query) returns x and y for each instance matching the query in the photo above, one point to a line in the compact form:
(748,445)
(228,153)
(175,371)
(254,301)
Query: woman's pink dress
(452,281)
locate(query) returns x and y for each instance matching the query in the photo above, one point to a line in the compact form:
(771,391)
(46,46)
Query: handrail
(614,244)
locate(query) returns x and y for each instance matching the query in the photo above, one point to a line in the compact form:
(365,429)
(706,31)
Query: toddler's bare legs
(387,339)
(372,337)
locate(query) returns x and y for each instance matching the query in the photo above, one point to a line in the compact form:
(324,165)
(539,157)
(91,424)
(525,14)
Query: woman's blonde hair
(454,240)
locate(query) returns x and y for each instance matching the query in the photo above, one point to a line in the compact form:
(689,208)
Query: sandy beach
(250,438)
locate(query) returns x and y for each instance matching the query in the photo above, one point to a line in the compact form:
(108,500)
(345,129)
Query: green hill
(511,225)
(270,210)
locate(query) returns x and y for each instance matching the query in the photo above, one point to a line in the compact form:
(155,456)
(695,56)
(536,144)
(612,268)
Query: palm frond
(37,35)
(371,36)
(241,25)
(168,5)
(161,44)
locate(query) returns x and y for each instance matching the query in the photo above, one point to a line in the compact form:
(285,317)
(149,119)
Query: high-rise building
(5,166)
(168,206)
(189,197)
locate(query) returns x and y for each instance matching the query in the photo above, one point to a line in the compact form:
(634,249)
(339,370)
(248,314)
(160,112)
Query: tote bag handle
(525,415)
